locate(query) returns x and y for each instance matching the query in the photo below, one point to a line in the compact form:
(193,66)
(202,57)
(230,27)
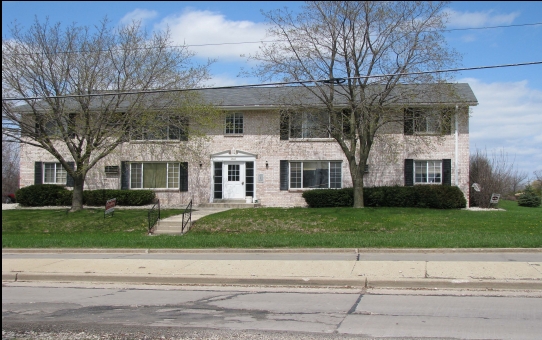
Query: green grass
(279,227)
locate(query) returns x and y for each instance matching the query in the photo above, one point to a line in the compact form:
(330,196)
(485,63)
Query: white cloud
(508,118)
(194,27)
(479,19)
(138,14)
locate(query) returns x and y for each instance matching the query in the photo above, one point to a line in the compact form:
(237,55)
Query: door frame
(230,156)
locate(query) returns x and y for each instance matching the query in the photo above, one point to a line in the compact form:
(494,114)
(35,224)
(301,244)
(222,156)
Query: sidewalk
(352,273)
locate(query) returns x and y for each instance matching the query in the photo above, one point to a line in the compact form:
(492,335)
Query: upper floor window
(54,173)
(309,125)
(427,121)
(173,128)
(234,124)
(427,172)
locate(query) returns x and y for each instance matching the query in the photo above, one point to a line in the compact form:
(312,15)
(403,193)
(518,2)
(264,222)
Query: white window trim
(167,176)
(234,115)
(57,166)
(304,128)
(309,161)
(427,171)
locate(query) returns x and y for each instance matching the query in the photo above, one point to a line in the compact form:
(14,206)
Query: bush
(40,195)
(124,197)
(329,197)
(419,196)
(529,198)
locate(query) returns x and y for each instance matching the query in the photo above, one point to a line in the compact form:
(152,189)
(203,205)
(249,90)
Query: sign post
(110,207)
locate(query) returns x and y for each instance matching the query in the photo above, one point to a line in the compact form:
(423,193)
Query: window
(427,121)
(233,173)
(234,124)
(427,172)
(315,174)
(174,128)
(54,173)
(309,125)
(154,175)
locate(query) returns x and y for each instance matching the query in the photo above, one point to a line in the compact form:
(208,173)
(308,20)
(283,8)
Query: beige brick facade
(261,138)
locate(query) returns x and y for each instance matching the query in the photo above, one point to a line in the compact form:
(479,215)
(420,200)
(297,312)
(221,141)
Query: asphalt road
(175,312)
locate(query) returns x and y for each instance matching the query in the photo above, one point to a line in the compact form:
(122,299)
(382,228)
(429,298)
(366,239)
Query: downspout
(456,167)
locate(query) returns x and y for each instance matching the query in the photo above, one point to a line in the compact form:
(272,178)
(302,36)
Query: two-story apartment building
(253,153)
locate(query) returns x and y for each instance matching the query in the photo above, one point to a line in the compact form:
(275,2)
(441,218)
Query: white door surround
(229,181)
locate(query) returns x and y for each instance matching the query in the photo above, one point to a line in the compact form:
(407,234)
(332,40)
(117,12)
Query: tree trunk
(357,181)
(77,200)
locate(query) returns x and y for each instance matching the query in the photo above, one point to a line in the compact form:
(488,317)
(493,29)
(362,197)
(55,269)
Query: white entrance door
(234,180)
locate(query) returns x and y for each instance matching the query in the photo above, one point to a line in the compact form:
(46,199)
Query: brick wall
(261,137)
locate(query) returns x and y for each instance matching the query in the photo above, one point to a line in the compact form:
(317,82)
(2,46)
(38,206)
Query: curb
(284,281)
(268,250)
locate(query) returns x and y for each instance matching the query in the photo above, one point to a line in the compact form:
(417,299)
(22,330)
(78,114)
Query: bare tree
(10,166)
(366,52)
(494,174)
(81,90)
(536,184)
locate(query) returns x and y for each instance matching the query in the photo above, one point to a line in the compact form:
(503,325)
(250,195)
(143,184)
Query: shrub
(529,198)
(329,197)
(39,195)
(419,196)
(124,197)
(49,194)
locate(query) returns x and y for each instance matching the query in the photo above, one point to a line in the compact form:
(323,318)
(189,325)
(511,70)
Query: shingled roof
(273,97)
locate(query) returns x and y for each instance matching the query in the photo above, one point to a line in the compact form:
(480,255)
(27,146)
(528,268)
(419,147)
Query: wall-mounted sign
(495,198)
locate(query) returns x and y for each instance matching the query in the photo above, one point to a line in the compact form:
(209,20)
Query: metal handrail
(187,216)
(153,215)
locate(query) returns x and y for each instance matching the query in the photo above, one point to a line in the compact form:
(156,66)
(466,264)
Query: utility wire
(337,81)
(259,41)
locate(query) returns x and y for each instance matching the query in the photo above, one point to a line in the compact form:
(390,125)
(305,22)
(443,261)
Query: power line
(263,41)
(337,81)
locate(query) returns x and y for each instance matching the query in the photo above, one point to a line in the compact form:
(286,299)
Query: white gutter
(456,145)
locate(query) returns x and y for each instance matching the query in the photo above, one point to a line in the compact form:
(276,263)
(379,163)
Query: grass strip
(517,227)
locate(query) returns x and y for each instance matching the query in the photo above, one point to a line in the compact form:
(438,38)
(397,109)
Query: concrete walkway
(173,225)
(149,269)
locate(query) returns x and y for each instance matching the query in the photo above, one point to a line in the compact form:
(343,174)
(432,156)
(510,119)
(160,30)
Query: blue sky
(508,118)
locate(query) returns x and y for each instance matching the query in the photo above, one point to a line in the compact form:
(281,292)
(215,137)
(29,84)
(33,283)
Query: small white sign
(495,198)
(260,178)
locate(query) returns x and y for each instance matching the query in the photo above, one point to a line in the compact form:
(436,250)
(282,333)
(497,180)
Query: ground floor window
(54,173)
(427,172)
(315,174)
(154,175)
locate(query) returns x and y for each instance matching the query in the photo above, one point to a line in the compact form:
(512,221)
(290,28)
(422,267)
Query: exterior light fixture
(266,165)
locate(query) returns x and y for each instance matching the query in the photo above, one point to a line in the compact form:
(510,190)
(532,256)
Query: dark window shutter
(409,172)
(284,125)
(184,129)
(284,183)
(38,173)
(183,177)
(124,176)
(409,122)
(69,180)
(446,172)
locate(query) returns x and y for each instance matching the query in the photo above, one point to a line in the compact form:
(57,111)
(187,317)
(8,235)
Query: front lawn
(517,227)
